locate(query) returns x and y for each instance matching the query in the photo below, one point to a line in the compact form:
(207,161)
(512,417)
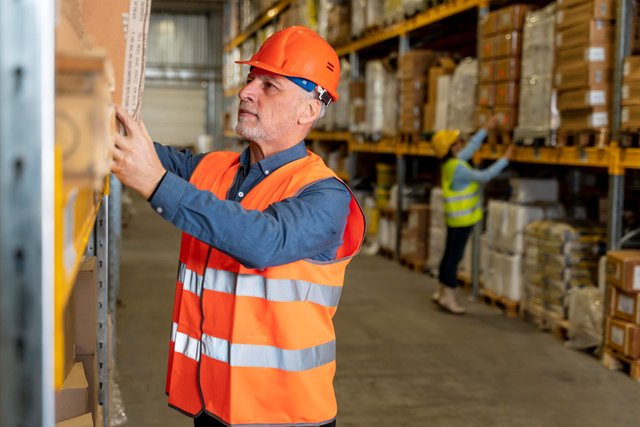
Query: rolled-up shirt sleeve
(310,225)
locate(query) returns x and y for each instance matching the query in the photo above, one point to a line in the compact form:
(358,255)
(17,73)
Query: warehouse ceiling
(187,6)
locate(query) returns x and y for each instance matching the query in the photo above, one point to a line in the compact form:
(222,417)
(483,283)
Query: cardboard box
(507,93)
(509,44)
(86,307)
(489,47)
(580,13)
(624,305)
(82,421)
(419,217)
(592,75)
(623,337)
(429,117)
(487,71)
(570,3)
(72,398)
(415,63)
(631,93)
(507,116)
(490,24)
(576,55)
(588,33)
(69,337)
(591,118)
(486,95)
(507,69)
(623,270)
(90,366)
(632,69)
(580,99)
(444,66)
(630,117)
(512,17)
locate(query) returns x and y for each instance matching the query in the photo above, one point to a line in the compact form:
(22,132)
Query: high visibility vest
(461,208)
(257,347)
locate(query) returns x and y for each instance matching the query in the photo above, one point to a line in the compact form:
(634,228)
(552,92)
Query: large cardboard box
(90,365)
(580,13)
(623,337)
(512,17)
(86,307)
(487,71)
(489,47)
(429,118)
(444,66)
(631,93)
(419,217)
(623,270)
(415,63)
(593,32)
(507,69)
(72,398)
(490,24)
(507,116)
(507,93)
(591,118)
(574,56)
(509,44)
(487,95)
(82,421)
(624,305)
(580,99)
(632,69)
(630,116)
(592,75)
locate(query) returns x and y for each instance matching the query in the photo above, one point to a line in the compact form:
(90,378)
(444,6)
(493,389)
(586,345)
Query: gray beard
(252,133)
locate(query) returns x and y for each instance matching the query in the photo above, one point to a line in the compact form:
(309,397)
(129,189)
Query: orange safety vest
(257,347)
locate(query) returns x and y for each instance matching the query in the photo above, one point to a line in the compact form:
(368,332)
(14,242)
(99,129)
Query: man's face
(269,105)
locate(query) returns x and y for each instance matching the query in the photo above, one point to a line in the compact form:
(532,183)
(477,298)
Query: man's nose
(249,91)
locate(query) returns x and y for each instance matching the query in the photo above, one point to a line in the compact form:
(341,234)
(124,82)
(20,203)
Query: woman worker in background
(462,202)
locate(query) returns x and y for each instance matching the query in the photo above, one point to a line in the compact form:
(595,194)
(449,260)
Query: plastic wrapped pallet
(536,82)
(462,98)
(437,230)
(382,98)
(358,17)
(528,190)
(374,14)
(334,21)
(586,309)
(337,114)
(411,7)
(393,11)
(511,273)
(442,105)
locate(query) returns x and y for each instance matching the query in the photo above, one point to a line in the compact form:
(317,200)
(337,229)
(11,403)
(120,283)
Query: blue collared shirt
(310,225)
(465,176)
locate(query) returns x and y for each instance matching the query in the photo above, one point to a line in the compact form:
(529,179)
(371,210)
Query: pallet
(410,138)
(500,137)
(386,253)
(510,308)
(615,361)
(413,264)
(583,138)
(535,139)
(630,138)
(560,329)
(545,320)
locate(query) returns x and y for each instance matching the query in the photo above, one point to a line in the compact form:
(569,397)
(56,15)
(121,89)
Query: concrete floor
(401,361)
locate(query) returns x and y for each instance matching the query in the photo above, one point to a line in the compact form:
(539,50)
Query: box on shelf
(90,365)
(509,44)
(507,69)
(593,32)
(86,307)
(487,95)
(578,99)
(512,18)
(442,104)
(507,117)
(82,421)
(631,93)
(489,47)
(490,24)
(595,117)
(630,116)
(415,63)
(429,117)
(507,93)
(419,217)
(568,16)
(72,398)
(583,75)
(632,69)
(624,305)
(444,66)
(623,337)
(577,55)
(623,270)
(487,71)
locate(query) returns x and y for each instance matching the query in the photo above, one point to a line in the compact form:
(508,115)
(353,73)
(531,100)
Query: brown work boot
(449,302)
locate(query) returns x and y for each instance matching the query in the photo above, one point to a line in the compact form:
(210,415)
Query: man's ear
(310,112)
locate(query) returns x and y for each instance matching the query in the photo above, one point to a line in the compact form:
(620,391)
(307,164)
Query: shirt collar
(272,163)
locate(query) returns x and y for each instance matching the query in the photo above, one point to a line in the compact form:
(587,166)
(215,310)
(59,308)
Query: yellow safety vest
(461,208)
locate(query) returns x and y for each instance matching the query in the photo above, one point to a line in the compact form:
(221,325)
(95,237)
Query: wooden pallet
(500,137)
(583,138)
(560,329)
(630,138)
(413,264)
(410,137)
(545,320)
(510,308)
(615,361)
(387,253)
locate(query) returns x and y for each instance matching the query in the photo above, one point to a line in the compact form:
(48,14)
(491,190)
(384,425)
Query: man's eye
(270,85)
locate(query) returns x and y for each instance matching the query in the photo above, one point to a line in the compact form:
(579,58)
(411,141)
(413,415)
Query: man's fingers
(144,130)
(124,118)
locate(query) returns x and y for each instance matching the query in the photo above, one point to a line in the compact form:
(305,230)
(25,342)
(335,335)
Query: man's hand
(135,161)
(492,123)
(509,151)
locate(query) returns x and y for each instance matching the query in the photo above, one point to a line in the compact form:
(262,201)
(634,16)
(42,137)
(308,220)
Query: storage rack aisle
(584,145)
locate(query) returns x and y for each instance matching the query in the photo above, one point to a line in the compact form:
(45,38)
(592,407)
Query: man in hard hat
(267,235)
(462,203)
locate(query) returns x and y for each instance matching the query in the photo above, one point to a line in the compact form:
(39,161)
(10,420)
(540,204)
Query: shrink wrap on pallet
(337,114)
(382,99)
(334,21)
(358,17)
(374,14)
(437,230)
(393,11)
(529,190)
(536,81)
(462,98)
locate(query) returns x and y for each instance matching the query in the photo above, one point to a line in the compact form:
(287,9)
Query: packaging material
(419,218)
(631,69)
(412,6)
(593,75)
(512,18)
(593,32)
(334,21)
(393,11)
(509,44)
(382,97)
(490,24)
(86,307)
(507,93)
(415,245)
(536,88)
(623,337)
(90,366)
(532,190)
(568,16)
(462,100)
(72,398)
(342,109)
(85,420)
(357,107)
(623,270)
(631,93)
(412,97)
(487,95)
(511,273)
(585,318)
(487,72)
(507,69)
(358,17)
(507,117)
(630,116)
(375,14)
(580,99)
(415,63)
(624,305)
(595,117)
(443,66)
(442,106)
(489,47)
(577,55)
(437,230)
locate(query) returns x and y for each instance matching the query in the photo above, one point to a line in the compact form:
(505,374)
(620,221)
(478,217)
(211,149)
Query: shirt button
(241,194)
(159,210)
(266,172)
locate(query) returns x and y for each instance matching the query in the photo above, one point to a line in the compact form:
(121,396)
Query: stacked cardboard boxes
(415,237)
(584,37)
(412,83)
(631,94)
(501,47)
(622,333)
(437,230)
(437,105)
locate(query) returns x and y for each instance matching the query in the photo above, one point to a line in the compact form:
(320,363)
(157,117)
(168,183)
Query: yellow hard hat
(443,140)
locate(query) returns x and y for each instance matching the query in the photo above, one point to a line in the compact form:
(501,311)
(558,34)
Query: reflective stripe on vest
(280,290)
(255,356)
(462,207)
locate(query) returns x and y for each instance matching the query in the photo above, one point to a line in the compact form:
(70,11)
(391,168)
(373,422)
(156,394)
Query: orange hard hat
(300,52)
